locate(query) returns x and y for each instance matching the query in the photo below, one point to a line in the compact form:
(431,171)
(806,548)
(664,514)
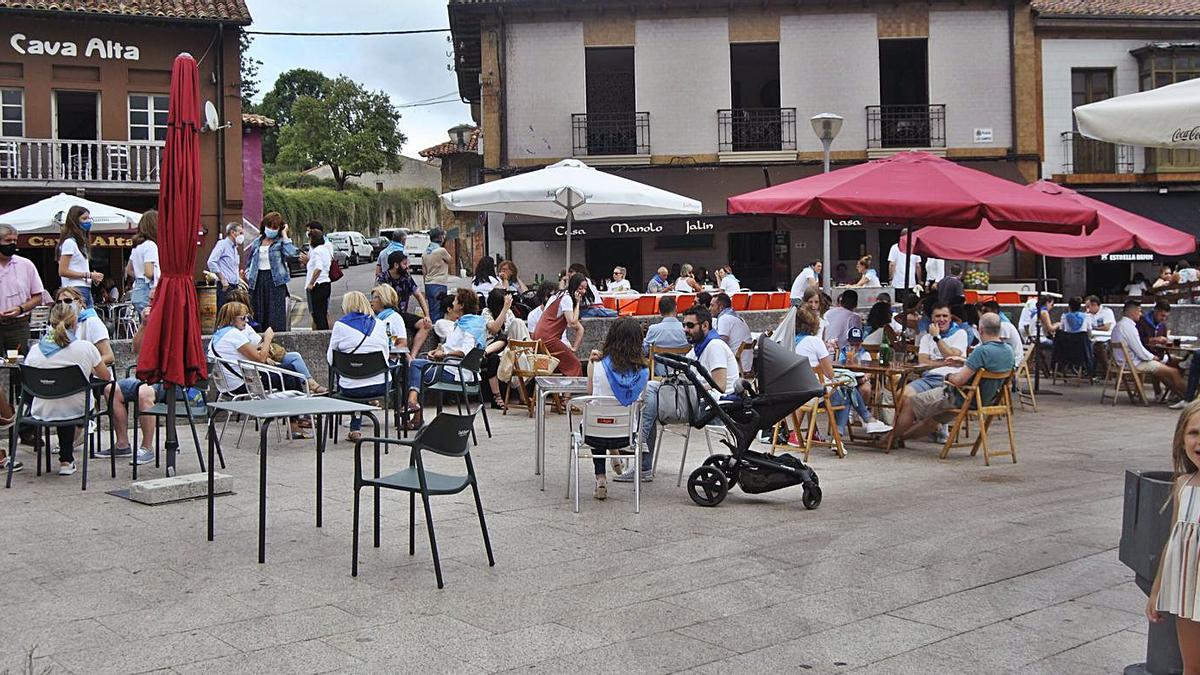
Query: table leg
(541,436)
(539,423)
(897,400)
(320,456)
(212,440)
(375,423)
(262,489)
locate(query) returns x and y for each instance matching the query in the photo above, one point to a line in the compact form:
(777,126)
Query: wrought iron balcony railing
(622,133)
(756,129)
(906,126)
(1087,155)
(47,161)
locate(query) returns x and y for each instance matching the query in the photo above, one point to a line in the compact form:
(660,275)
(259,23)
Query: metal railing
(47,160)
(1087,155)
(756,129)
(906,126)
(1166,160)
(621,133)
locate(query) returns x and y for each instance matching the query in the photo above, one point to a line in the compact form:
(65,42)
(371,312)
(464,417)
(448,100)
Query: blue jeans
(594,310)
(369,391)
(414,374)
(1193,379)
(294,362)
(140,295)
(648,427)
(853,401)
(432,291)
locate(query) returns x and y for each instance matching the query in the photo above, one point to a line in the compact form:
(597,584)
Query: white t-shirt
(226,347)
(730,284)
(343,338)
(803,280)
(319,258)
(895,256)
(600,385)
(1187,275)
(93,330)
(79,353)
(395,325)
(935,269)
(929,347)
(872,277)
(682,285)
(734,329)
(486,287)
(622,286)
(812,348)
(1012,338)
(717,355)
(77,264)
(1104,317)
(459,341)
(264,258)
(145,252)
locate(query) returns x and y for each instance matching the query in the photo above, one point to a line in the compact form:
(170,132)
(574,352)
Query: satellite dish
(211,121)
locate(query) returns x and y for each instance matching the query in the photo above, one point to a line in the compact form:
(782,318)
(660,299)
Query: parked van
(353,244)
(415,247)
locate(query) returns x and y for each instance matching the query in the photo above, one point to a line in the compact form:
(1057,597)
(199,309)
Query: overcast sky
(409,68)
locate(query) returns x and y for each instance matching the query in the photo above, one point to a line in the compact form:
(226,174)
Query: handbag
(335,271)
(678,400)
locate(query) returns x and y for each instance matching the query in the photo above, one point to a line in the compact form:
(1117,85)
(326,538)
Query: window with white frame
(12,112)
(148,117)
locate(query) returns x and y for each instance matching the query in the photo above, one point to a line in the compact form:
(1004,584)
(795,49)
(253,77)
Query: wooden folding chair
(1123,376)
(1022,373)
(999,406)
(522,371)
(815,406)
(743,371)
(681,351)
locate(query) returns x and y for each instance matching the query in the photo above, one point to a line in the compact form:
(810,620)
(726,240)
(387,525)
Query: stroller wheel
(727,465)
(707,486)
(812,497)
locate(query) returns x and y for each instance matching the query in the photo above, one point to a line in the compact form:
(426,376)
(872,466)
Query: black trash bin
(1144,531)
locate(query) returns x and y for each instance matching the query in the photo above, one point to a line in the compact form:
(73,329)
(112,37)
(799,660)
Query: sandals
(7,423)
(315,389)
(414,418)
(354,436)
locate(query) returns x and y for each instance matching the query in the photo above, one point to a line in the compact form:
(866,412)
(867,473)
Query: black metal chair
(1071,350)
(446,435)
(106,412)
(362,367)
(470,364)
(50,384)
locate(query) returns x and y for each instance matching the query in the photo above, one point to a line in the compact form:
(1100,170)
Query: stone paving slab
(911,565)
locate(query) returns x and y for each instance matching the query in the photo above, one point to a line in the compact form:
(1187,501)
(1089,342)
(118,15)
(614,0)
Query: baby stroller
(785,381)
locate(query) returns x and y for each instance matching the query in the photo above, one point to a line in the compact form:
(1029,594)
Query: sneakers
(66,469)
(1179,405)
(126,451)
(877,427)
(601,491)
(939,436)
(618,466)
(144,456)
(16,467)
(627,476)
(102,453)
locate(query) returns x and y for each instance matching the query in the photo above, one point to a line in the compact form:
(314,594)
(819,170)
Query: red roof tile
(448,148)
(1146,8)
(233,11)
(257,121)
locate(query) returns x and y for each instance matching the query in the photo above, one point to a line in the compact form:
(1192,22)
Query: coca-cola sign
(1182,135)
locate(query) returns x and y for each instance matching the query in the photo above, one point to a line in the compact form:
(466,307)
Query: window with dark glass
(754,121)
(12,112)
(1088,155)
(904,117)
(1158,66)
(148,117)
(611,125)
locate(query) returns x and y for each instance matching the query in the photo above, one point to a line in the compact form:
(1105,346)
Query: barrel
(206,296)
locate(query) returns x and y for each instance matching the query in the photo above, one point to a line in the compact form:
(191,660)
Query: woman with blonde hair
(358,332)
(74,251)
(510,277)
(143,261)
(686,283)
(89,326)
(267,272)
(867,276)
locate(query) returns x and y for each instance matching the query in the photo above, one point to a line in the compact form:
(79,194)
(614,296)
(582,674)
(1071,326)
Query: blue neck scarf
(363,323)
(49,347)
(954,328)
(658,280)
(89,313)
(626,386)
(387,312)
(1004,318)
(799,337)
(1149,319)
(431,247)
(703,344)
(475,325)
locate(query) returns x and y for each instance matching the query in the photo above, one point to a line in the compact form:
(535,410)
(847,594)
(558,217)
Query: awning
(1178,208)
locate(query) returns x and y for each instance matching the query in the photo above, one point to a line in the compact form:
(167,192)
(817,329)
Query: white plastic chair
(603,418)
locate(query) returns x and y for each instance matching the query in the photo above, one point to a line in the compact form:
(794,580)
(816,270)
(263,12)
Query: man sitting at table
(658,283)
(942,342)
(731,327)
(1099,317)
(1008,332)
(921,412)
(1126,333)
(666,333)
(1152,329)
(839,320)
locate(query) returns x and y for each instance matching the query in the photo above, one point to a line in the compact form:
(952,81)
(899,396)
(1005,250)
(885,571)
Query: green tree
(249,68)
(350,129)
(277,103)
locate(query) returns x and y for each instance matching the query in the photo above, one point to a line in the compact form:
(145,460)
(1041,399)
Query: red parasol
(171,348)
(918,188)
(1119,230)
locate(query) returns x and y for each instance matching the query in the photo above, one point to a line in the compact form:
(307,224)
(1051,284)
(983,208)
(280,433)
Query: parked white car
(415,247)
(353,244)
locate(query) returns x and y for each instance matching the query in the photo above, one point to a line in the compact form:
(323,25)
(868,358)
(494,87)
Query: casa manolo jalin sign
(554,232)
(94,48)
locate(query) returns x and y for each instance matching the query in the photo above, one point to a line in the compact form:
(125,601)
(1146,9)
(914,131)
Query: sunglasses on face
(690,324)
(64,301)
(245,318)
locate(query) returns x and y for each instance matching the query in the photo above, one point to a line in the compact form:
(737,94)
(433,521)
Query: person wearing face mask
(74,249)
(20,291)
(267,272)
(225,261)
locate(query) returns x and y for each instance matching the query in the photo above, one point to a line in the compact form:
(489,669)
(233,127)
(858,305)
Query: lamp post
(826,126)
(460,136)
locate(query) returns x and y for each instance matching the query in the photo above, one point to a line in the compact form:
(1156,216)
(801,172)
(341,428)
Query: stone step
(178,488)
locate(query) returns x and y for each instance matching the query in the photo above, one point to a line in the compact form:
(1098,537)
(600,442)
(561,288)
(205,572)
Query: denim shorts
(928,381)
(139,296)
(129,388)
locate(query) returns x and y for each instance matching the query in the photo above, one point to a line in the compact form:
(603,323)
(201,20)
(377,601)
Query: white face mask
(240,239)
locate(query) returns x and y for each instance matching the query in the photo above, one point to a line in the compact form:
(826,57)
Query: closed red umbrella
(171,349)
(917,188)
(1118,230)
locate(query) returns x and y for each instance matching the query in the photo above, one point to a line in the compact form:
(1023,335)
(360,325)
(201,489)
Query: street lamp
(826,126)
(460,136)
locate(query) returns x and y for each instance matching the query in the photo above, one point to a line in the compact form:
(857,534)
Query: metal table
(546,385)
(267,411)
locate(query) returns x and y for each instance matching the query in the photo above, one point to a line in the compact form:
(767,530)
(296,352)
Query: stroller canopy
(785,381)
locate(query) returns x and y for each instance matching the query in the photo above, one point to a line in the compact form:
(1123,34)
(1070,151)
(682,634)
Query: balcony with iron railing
(610,134)
(756,130)
(906,126)
(1087,155)
(67,164)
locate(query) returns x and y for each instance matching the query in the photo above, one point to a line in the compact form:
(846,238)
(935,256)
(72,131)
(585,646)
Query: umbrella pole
(908,253)
(570,226)
(172,444)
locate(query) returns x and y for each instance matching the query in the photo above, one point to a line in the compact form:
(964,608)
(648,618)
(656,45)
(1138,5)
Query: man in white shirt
(1098,317)
(731,327)
(898,262)
(1126,333)
(809,277)
(939,347)
(839,320)
(935,270)
(1008,332)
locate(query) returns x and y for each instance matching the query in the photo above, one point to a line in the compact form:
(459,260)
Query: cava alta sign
(95,48)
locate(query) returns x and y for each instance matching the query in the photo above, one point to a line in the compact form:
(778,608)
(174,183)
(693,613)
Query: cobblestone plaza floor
(911,564)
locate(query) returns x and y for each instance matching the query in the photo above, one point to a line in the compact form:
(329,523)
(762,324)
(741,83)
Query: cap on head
(855,334)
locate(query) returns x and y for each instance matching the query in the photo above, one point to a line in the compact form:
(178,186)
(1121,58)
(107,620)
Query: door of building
(77,119)
(750,255)
(605,254)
